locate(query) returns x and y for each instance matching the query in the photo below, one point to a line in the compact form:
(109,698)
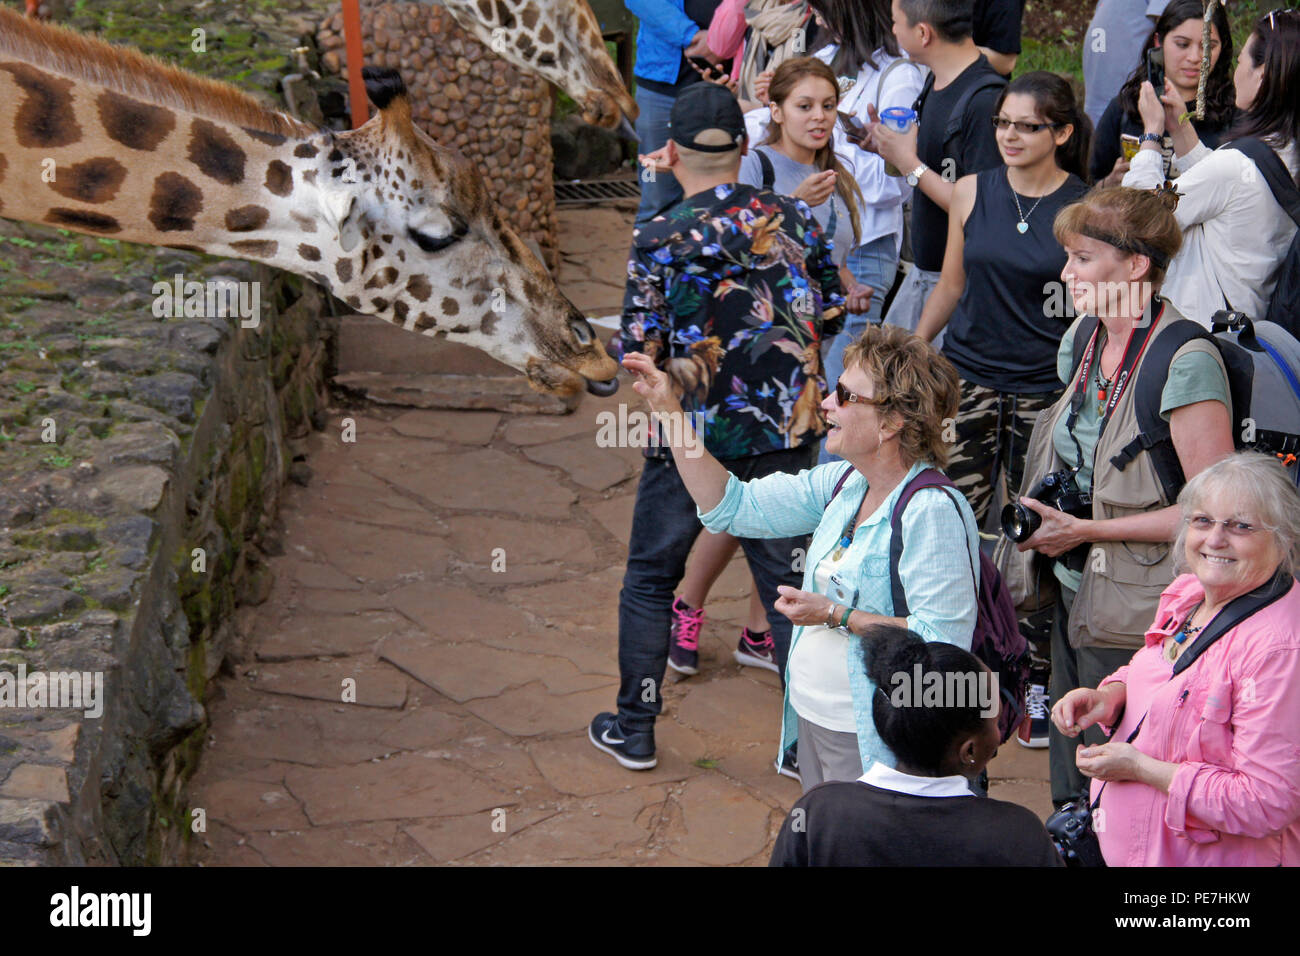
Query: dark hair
(1276,110)
(1220,97)
(918,735)
(784,80)
(953,20)
(860,28)
(1054,100)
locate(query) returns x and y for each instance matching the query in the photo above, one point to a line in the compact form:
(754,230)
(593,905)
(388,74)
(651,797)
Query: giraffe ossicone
(394,223)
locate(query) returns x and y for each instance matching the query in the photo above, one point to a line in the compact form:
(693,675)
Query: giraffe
(558,40)
(393,223)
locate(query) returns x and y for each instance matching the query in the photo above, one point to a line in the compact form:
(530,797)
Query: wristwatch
(1153,137)
(915,175)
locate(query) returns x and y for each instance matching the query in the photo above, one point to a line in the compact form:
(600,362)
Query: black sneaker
(684,638)
(756,650)
(788,765)
(1033,731)
(633,751)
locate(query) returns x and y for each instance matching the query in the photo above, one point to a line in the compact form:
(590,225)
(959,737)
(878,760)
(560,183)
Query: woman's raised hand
(761,84)
(1161,113)
(651,384)
(817,188)
(1078,710)
(1116,176)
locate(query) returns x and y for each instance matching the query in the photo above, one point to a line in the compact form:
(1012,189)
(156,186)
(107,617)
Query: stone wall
(467,97)
(168,435)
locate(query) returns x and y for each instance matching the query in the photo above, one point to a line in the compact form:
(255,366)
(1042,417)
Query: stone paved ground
(466,742)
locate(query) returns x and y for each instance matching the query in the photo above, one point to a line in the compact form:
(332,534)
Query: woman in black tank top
(1000,302)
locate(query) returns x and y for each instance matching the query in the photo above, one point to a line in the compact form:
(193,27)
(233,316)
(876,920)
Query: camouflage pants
(993,430)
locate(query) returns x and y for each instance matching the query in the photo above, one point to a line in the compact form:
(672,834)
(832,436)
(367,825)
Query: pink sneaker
(757,650)
(684,642)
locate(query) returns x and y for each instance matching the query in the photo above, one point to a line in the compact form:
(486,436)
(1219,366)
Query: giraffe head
(420,244)
(558,40)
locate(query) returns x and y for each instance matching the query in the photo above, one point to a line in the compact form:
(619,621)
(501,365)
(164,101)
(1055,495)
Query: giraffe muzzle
(603,389)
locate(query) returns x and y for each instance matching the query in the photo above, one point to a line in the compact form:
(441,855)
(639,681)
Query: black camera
(1060,490)
(1071,830)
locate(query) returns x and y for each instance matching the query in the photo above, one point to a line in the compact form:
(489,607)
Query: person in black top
(952,139)
(936,708)
(996,32)
(1179,34)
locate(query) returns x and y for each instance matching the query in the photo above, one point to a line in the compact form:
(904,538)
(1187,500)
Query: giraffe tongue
(602,389)
(626,128)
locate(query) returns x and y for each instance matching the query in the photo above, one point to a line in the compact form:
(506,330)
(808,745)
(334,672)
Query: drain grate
(597,191)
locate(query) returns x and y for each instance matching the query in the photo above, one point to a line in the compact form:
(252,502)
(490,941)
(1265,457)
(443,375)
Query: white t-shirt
(818,669)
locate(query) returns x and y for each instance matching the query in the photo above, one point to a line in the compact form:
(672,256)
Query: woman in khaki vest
(1115,556)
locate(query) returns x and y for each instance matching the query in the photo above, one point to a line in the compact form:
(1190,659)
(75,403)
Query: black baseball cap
(706,106)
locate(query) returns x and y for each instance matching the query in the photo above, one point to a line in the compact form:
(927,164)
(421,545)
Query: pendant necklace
(1185,632)
(1103,389)
(1022,226)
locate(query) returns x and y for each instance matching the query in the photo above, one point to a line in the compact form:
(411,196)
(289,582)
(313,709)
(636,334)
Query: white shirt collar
(887,778)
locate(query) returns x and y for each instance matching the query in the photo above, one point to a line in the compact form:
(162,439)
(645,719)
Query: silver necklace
(1022,226)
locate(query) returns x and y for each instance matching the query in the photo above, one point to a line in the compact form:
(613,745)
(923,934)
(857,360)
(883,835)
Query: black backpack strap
(769,173)
(928,478)
(839,485)
(1082,333)
(1274,171)
(1153,431)
(988,82)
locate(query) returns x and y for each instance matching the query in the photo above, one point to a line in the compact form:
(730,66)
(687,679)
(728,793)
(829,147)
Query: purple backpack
(997,640)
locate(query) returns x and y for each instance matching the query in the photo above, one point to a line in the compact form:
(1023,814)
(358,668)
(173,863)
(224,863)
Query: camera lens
(1019,523)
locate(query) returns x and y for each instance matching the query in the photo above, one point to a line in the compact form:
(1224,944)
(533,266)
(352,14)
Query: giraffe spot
(376,252)
(460,329)
(479,298)
(270,139)
(401,255)
(216,153)
(309,176)
(425,321)
(344,270)
(175,203)
(504,16)
(385,276)
(419,288)
(310,253)
(246,218)
(525,46)
(529,16)
(336,155)
(46,117)
(401,173)
(83,220)
(134,124)
(379,305)
(94,180)
(545,35)
(417,184)
(279,178)
(450,306)
(485,8)
(353,301)
(305,223)
(387,238)
(489,323)
(400,309)
(261,248)
(305,151)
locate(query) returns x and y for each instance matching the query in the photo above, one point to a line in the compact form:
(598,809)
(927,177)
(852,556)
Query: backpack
(1263,365)
(997,640)
(988,81)
(1282,307)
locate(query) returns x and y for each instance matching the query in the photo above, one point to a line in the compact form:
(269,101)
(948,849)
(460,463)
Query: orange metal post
(356,86)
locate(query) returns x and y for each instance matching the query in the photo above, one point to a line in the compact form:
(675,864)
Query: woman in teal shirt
(888,418)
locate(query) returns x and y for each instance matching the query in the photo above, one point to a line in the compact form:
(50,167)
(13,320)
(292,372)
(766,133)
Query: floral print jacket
(726,291)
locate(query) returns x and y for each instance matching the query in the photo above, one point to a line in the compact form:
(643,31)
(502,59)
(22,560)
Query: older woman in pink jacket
(1213,776)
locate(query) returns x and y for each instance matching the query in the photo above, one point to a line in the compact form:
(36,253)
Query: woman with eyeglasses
(1201,769)
(1235,234)
(994,301)
(887,416)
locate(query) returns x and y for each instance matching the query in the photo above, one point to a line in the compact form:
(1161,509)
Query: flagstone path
(443,626)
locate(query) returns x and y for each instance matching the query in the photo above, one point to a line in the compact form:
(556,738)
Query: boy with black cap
(727,291)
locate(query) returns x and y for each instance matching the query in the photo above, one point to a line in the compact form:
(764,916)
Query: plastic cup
(897,118)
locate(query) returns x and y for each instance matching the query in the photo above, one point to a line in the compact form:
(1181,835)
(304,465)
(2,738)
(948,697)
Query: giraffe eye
(581,332)
(430,243)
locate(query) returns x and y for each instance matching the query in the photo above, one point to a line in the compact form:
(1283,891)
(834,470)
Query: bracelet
(830,616)
(844,621)
(1152,137)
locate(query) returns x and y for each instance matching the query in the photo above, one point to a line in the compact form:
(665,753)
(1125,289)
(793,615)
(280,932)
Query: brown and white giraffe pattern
(558,40)
(393,223)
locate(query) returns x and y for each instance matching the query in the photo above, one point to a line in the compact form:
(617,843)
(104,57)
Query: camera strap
(1232,614)
(1138,338)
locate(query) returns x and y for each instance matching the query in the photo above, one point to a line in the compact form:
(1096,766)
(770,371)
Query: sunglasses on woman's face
(1001,122)
(844,397)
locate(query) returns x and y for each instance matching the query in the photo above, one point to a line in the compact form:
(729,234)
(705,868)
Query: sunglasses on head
(1272,13)
(844,397)
(1001,122)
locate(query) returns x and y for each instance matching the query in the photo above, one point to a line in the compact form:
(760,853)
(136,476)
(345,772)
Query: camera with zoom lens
(1071,831)
(1060,490)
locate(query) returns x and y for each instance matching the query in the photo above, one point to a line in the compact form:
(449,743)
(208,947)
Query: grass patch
(707,763)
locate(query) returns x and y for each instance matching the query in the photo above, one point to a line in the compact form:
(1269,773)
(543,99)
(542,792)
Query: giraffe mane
(132,73)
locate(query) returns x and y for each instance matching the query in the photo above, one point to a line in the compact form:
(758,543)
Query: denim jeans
(664,527)
(873,263)
(664,191)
